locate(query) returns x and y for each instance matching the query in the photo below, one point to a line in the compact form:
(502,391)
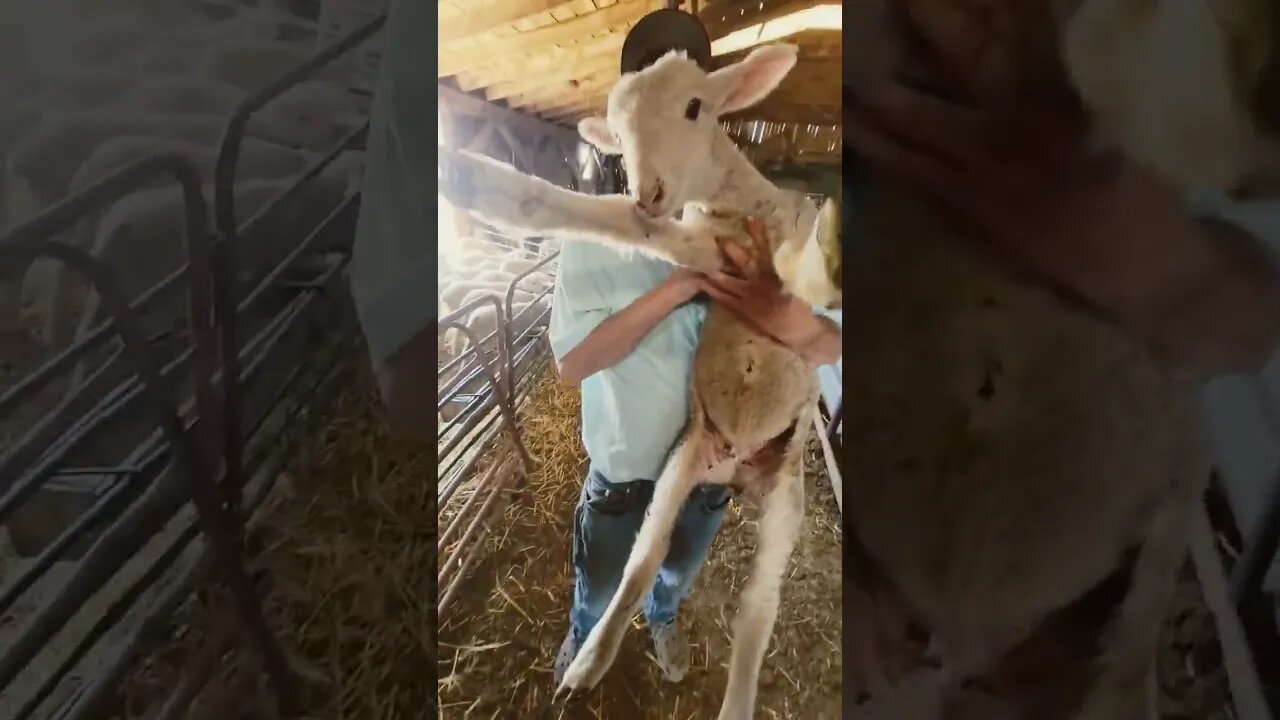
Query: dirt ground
(498,645)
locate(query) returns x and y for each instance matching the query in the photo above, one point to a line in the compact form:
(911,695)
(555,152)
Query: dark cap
(662,31)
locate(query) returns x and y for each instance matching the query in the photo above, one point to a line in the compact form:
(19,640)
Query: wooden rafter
(537,64)
(489,50)
(547,61)
(598,83)
(722,18)
(564,74)
(490,17)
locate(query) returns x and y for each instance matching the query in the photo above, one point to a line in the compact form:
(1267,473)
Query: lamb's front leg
(499,194)
(753,625)
(669,493)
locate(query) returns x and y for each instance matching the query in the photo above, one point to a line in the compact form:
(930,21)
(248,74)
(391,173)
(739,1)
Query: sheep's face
(664,121)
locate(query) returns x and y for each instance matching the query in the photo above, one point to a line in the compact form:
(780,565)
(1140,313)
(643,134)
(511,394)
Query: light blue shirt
(633,412)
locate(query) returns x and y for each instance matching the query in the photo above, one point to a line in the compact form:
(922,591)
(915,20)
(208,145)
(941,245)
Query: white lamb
(482,322)
(142,238)
(259,160)
(183,95)
(250,63)
(753,401)
(48,156)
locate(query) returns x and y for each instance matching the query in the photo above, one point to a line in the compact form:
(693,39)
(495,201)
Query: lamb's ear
(745,83)
(596,131)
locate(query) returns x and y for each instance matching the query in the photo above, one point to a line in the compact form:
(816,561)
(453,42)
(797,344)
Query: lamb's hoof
(586,669)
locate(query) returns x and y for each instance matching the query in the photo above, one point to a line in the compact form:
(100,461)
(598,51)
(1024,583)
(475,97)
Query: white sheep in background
(183,95)
(141,237)
(519,297)
(258,159)
(753,402)
(48,156)
(458,292)
(315,114)
(250,63)
(482,322)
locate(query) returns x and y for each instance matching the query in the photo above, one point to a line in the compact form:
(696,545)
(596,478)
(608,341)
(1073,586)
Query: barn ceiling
(557,60)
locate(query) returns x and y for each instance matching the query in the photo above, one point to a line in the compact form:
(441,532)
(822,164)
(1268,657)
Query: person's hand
(1001,143)
(752,291)
(684,284)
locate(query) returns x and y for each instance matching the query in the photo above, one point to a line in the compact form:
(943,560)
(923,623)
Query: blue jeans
(605,527)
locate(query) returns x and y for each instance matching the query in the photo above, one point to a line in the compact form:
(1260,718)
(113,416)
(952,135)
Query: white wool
(250,63)
(258,159)
(48,156)
(142,236)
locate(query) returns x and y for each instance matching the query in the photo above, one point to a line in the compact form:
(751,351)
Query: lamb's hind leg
(682,472)
(503,196)
(758,608)
(1125,670)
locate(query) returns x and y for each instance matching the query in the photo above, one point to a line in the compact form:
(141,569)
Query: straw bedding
(498,645)
(346,555)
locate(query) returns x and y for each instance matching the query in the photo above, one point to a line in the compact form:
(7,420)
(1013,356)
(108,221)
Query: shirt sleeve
(571,321)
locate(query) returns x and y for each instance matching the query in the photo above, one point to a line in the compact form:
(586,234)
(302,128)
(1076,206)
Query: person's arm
(821,344)
(615,337)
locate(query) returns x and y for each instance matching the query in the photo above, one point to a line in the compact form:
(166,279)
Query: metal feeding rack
(481,443)
(189,434)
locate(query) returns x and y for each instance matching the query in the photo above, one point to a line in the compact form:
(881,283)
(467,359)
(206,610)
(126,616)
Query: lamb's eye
(691,111)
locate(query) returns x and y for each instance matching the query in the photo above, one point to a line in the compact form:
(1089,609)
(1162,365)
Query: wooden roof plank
(486,50)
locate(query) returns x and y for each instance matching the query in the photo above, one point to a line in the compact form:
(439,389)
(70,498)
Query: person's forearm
(619,334)
(823,345)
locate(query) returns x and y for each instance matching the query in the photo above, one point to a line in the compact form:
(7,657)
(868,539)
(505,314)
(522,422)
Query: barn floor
(345,547)
(497,646)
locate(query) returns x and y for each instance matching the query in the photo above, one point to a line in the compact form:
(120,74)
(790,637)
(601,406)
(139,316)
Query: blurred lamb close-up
(1012,460)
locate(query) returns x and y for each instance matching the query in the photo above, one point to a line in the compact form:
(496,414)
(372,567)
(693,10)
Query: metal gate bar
(30,241)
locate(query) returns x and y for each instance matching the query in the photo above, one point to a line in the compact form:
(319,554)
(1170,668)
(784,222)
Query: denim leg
(605,526)
(690,543)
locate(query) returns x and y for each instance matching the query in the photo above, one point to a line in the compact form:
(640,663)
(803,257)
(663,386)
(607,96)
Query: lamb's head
(664,121)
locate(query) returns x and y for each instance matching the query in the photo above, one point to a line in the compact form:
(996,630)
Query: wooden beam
(730,16)
(518,149)
(490,17)
(460,102)
(602,62)
(593,102)
(481,140)
(546,61)
(485,51)
(594,87)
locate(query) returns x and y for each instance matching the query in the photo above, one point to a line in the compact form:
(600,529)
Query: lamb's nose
(651,201)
